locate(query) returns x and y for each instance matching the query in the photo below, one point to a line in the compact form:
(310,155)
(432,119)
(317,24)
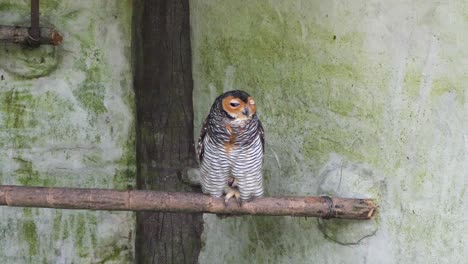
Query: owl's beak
(246,111)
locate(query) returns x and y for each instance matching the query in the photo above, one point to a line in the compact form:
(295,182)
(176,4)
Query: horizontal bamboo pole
(137,200)
(20,35)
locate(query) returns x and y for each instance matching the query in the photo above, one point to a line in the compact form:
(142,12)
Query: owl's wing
(201,147)
(261,132)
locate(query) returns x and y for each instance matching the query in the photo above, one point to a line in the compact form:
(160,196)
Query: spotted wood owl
(231,148)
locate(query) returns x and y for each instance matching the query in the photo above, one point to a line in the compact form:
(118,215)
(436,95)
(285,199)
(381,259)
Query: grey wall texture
(66,119)
(358,99)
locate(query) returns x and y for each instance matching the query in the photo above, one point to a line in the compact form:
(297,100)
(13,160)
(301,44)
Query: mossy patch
(116,253)
(11,5)
(319,93)
(125,172)
(27,176)
(444,86)
(31,117)
(80,234)
(15,104)
(58,216)
(91,92)
(268,230)
(55,126)
(293,66)
(65,230)
(29,233)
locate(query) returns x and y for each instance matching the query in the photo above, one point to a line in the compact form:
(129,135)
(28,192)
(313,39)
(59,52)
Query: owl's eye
(234,104)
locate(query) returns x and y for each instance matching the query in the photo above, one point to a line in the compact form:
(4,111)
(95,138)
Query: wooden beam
(162,74)
(184,202)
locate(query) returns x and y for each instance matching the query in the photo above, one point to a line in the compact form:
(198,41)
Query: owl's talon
(232,192)
(238,199)
(226,200)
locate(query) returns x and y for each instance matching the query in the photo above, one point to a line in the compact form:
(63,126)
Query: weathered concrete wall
(358,99)
(66,119)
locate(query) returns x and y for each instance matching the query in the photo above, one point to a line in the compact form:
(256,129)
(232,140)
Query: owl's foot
(232,192)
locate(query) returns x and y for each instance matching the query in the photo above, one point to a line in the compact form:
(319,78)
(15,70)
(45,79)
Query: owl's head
(237,105)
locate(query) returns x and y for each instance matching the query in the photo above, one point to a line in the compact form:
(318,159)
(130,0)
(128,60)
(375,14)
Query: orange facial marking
(233,106)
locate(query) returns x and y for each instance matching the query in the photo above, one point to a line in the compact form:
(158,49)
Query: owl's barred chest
(237,138)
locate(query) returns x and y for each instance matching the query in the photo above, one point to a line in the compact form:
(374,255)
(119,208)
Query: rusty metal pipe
(34,31)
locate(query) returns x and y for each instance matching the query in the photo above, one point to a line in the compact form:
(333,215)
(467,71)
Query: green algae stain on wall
(370,90)
(125,172)
(91,93)
(293,68)
(274,52)
(30,233)
(66,119)
(27,176)
(14,105)
(56,225)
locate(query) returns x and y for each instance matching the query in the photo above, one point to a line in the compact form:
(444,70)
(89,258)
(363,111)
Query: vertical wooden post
(163,90)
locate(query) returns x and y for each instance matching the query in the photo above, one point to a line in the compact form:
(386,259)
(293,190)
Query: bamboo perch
(20,35)
(136,200)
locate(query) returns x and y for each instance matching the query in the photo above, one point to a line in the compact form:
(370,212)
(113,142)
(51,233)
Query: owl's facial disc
(238,109)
